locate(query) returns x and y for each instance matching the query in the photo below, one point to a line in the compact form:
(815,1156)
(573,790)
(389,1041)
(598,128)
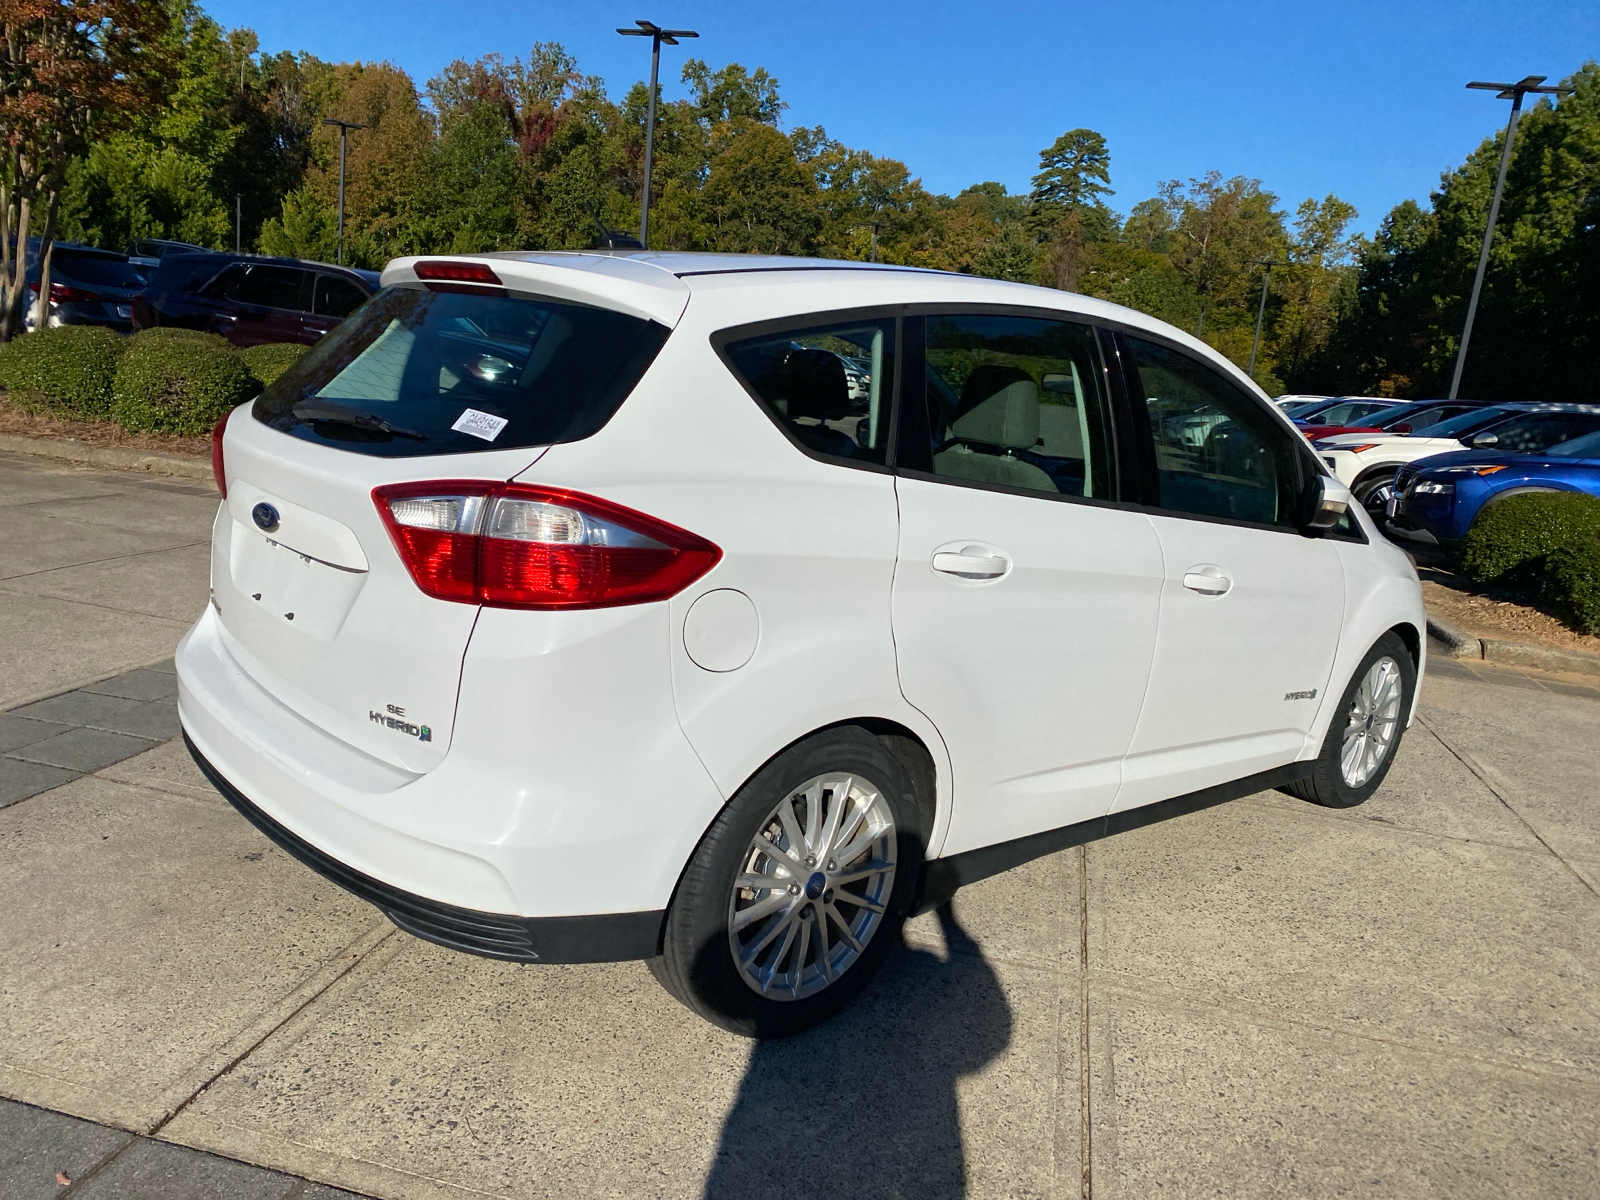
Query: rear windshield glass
(107,272)
(415,372)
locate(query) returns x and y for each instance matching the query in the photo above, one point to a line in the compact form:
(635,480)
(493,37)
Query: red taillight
(60,293)
(513,546)
(218,467)
(453,271)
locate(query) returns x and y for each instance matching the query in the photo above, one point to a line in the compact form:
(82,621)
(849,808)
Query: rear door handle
(971,566)
(1207,580)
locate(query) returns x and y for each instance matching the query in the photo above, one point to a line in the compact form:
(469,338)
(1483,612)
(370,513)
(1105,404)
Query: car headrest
(815,385)
(1000,407)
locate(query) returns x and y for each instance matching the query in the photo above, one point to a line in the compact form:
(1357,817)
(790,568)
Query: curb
(149,462)
(1512,654)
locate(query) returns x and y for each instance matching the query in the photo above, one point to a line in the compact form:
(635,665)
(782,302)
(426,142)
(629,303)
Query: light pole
(1261,313)
(657,35)
(344,132)
(1513,92)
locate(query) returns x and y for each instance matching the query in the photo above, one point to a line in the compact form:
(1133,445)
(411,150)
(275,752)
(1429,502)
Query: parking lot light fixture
(1513,92)
(657,35)
(344,132)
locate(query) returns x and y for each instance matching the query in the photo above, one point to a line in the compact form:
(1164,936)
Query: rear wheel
(798,890)
(1366,729)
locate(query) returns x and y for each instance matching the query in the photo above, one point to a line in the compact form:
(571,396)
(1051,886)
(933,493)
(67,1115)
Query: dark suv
(88,286)
(252,300)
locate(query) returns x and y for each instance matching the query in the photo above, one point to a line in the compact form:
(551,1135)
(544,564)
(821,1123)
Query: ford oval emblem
(265,517)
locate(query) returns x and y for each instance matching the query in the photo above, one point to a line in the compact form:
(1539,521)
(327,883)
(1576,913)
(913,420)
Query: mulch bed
(1508,611)
(15,421)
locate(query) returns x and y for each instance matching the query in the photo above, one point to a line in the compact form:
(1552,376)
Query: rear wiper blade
(340,415)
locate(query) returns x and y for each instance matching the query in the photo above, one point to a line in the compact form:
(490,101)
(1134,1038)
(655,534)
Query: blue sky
(1362,99)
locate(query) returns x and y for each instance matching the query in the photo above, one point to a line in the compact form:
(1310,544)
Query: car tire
(1354,758)
(1364,488)
(807,951)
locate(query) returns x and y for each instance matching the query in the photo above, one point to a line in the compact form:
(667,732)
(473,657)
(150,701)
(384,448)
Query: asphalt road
(1263,998)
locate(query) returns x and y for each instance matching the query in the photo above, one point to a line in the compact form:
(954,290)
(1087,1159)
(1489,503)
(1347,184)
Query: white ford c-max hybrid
(720,611)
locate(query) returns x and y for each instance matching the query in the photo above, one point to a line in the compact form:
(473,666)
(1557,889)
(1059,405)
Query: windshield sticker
(480,424)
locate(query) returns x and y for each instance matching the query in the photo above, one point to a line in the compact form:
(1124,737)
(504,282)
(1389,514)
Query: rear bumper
(561,804)
(609,937)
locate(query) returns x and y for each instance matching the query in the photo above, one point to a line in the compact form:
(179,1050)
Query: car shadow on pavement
(866,1103)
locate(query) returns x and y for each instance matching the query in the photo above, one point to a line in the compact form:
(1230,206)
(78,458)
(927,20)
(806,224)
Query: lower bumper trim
(604,937)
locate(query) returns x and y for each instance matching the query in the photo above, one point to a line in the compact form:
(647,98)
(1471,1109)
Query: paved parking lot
(1263,998)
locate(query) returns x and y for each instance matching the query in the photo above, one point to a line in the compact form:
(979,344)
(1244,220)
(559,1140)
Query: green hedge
(65,371)
(176,381)
(266,363)
(1572,582)
(1515,534)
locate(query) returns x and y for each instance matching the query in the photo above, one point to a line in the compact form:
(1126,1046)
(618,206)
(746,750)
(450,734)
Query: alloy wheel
(813,886)
(1374,721)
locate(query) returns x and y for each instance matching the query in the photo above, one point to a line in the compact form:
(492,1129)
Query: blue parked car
(1444,494)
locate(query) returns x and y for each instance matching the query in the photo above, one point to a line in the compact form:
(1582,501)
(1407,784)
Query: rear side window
(418,372)
(828,386)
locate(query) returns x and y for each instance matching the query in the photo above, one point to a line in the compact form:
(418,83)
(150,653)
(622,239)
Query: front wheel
(797,891)
(1366,729)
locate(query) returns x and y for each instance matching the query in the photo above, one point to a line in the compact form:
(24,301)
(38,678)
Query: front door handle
(970,566)
(1207,580)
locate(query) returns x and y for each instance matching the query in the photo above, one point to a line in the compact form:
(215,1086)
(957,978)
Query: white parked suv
(567,607)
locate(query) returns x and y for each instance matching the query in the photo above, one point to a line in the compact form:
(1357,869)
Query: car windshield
(104,272)
(1304,408)
(416,372)
(1587,446)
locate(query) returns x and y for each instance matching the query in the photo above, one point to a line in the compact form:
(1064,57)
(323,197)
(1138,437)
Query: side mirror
(1316,420)
(1327,500)
(1403,428)
(1485,440)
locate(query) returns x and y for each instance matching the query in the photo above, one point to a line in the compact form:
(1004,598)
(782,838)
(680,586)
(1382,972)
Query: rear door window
(827,386)
(418,372)
(1015,402)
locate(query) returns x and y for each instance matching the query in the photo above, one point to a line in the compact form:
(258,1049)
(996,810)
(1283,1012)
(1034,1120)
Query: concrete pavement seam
(1156,992)
(355,960)
(1316,812)
(97,562)
(1085,1120)
(1482,773)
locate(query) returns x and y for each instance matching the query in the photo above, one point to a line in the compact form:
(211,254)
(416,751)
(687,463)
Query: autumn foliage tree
(68,69)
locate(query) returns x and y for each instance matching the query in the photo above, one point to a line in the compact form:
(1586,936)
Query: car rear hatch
(329,596)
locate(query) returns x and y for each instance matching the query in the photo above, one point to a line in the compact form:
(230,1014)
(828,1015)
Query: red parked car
(251,300)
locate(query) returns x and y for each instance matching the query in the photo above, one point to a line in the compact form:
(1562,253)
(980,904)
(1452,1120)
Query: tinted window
(517,370)
(1587,446)
(1218,453)
(271,287)
(829,386)
(1539,431)
(102,272)
(336,297)
(1465,422)
(1016,402)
